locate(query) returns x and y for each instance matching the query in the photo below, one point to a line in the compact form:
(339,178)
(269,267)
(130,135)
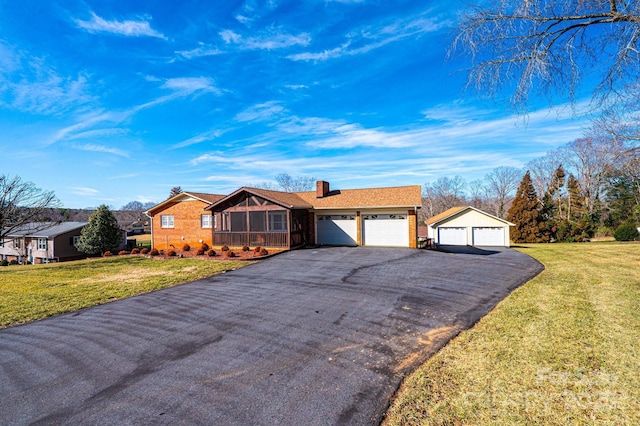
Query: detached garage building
(468,226)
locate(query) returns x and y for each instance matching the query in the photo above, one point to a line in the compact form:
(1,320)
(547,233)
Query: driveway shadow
(468,250)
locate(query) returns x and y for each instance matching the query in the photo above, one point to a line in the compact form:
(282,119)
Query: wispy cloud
(262,112)
(271,39)
(202,137)
(368,39)
(102,149)
(202,50)
(190,85)
(83,191)
(128,28)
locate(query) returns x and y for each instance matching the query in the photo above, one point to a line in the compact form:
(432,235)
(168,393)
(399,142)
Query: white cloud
(201,51)
(101,149)
(128,28)
(203,137)
(84,191)
(188,85)
(262,112)
(269,40)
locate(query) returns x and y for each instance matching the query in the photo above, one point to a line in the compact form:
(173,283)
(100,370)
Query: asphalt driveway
(313,337)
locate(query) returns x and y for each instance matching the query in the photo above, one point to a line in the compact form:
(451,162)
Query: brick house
(182,220)
(259,217)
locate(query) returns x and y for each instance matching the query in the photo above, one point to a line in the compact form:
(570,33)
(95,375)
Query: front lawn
(562,349)
(32,292)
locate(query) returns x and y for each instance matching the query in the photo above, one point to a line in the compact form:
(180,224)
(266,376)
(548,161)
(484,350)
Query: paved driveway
(310,337)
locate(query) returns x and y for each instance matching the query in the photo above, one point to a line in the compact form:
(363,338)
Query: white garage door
(337,230)
(452,236)
(488,236)
(385,230)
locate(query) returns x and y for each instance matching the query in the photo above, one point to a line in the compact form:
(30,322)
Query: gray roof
(46,229)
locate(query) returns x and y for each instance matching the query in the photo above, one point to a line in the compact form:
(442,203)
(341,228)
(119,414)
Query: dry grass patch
(33,292)
(562,349)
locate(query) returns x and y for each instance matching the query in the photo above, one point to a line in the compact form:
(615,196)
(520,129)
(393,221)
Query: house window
(225,221)
(205,221)
(76,238)
(166,221)
(277,221)
(42,243)
(257,221)
(1,242)
(16,243)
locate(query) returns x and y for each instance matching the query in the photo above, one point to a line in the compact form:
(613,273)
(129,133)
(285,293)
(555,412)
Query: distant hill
(82,215)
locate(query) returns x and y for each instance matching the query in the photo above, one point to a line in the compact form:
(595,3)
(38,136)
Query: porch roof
(289,200)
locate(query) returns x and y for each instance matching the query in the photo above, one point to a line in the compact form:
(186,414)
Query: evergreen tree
(525,214)
(101,234)
(175,191)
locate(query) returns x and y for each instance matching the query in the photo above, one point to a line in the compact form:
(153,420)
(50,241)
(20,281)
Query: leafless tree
(290,183)
(477,194)
(444,194)
(550,45)
(542,172)
(589,159)
(21,202)
(501,185)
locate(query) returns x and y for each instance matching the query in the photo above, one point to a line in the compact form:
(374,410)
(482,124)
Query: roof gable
(184,196)
(457,211)
(289,200)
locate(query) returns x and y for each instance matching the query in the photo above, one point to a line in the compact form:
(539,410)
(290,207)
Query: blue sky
(107,102)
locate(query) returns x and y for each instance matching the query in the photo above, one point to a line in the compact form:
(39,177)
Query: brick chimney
(322,189)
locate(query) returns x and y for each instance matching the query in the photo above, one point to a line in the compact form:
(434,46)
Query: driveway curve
(314,336)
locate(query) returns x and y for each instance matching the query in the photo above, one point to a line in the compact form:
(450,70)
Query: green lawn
(32,292)
(564,349)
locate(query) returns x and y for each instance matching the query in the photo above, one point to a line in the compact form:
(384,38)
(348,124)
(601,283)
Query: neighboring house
(259,217)
(466,225)
(134,227)
(42,242)
(182,219)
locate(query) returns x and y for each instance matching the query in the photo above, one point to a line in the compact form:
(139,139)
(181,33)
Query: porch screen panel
(257,221)
(238,221)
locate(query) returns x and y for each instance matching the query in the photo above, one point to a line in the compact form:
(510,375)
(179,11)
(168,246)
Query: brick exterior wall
(186,226)
(413,229)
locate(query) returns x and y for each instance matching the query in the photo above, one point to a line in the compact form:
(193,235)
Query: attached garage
(452,236)
(469,226)
(337,230)
(391,230)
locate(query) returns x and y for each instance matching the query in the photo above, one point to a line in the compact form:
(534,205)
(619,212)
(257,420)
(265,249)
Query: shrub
(186,247)
(225,248)
(204,246)
(257,249)
(627,231)
(230,254)
(171,253)
(264,252)
(200,251)
(107,254)
(211,253)
(245,248)
(144,251)
(135,251)
(4,262)
(122,252)
(13,262)
(154,252)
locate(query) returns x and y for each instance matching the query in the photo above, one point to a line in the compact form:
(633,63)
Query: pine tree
(525,214)
(101,234)
(175,191)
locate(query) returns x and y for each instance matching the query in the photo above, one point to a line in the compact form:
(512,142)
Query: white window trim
(207,225)
(283,223)
(42,246)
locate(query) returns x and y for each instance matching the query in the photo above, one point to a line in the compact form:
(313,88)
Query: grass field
(564,349)
(32,292)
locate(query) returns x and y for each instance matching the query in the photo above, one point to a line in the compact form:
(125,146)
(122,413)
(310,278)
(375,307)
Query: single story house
(182,220)
(42,242)
(466,225)
(276,219)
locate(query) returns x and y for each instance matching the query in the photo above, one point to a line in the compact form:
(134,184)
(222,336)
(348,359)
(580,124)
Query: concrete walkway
(310,337)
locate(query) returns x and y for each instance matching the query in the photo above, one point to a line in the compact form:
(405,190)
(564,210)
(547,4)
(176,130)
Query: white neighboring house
(44,242)
(468,226)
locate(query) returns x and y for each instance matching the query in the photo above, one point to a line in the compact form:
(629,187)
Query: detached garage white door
(488,236)
(385,230)
(452,236)
(337,230)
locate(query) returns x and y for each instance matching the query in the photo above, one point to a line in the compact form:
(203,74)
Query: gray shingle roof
(46,229)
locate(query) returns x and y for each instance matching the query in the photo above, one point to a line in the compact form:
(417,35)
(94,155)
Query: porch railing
(251,239)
